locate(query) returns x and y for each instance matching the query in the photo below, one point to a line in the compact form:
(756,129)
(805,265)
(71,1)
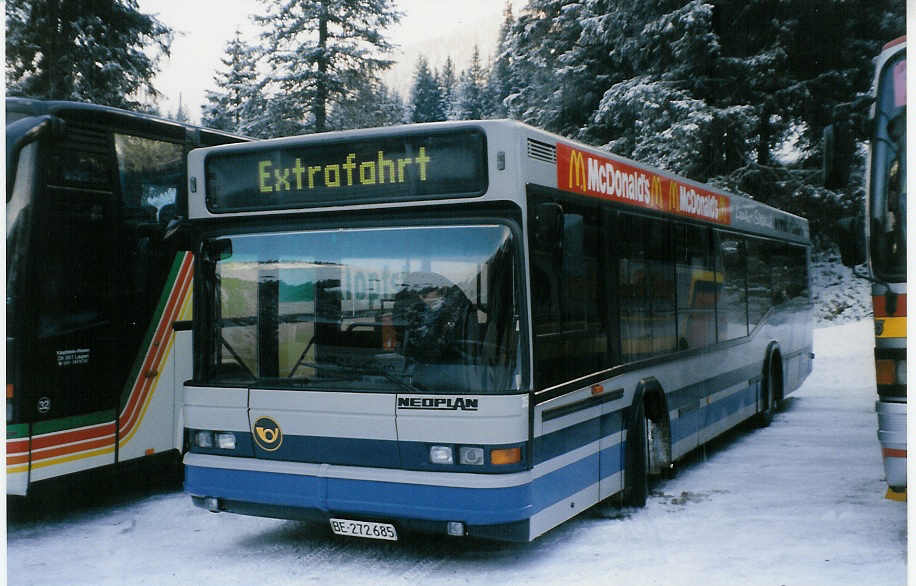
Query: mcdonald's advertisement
(590,174)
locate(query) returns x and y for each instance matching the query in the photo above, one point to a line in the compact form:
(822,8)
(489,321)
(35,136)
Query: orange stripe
(81,447)
(139,398)
(16,446)
(162,329)
(879,304)
(157,349)
(892,453)
(10,460)
(77,435)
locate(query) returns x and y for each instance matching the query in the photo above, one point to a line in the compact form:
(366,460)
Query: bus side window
(798,272)
(731,304)
(697,286)
(645,287)
(150,175)
(759,282)
(569,323)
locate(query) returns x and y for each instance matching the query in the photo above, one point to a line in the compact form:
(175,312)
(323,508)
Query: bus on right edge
(885,252)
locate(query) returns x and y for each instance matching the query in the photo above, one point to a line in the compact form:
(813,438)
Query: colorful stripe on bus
(70,444)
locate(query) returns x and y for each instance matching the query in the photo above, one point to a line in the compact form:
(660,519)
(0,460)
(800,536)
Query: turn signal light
(886,372)
(505,456)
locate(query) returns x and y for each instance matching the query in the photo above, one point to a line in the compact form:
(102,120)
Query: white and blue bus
(472,328)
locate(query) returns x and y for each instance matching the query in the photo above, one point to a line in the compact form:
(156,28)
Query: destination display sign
(597,176)
(313,173)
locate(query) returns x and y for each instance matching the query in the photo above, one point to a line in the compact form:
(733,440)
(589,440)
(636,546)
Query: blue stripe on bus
(475,506)
(689,422)
(610,460)
(695,420)
(562,441)
(343,451)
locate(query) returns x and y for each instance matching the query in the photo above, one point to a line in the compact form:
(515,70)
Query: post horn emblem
(267,434)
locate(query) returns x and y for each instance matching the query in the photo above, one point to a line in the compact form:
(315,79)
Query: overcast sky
(435,28)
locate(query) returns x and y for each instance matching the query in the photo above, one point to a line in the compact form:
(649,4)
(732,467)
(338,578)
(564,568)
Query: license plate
(364,529)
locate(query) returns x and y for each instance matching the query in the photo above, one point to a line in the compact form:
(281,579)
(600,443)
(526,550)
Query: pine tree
(101,51)
(370,106)
(425,98)
(318,50)
(500,82)
(237,103)
(181,113)
(448,83)
(472,101)
(543,32)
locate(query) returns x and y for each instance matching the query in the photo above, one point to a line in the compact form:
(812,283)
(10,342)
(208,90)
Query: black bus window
(645,287)
(697,285)
(75,288)
(797,261)
(569,321)
(150,175)
(759,282)
(731,304)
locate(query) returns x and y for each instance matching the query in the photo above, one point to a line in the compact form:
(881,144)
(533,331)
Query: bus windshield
(412,309)
(888,174)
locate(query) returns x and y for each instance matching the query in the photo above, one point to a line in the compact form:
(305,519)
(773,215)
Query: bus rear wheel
(636,488)
(771,397)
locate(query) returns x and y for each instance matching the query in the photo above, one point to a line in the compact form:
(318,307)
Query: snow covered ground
(797,503)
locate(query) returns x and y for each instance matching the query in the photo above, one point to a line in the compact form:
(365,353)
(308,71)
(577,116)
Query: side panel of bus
(101,368)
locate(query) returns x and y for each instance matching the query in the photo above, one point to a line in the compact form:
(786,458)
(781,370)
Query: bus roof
(135,121)
(516,155)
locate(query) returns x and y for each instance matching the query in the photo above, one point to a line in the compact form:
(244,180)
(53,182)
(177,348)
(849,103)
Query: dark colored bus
(94,366)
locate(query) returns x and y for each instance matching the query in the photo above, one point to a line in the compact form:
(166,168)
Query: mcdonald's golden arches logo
(267,434)
(577,173)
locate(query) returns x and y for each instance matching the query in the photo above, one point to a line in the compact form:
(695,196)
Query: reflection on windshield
(888,180)
(412,309)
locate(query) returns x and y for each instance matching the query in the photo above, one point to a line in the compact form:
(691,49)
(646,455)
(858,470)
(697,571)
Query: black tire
(772,392)
(636,489)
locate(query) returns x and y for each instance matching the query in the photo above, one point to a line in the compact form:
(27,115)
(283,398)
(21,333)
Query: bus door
(153,291)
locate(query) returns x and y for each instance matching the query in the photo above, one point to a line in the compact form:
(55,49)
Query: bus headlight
(441,455)
(225,440)
(203,439)
(470,456)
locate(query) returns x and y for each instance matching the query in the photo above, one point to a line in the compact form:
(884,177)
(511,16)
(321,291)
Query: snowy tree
(101,51)
(500,82)
(448,83)
(425,98)
(370,106)
(317,50)
(543,32)
(656,108)
(181,113)
(237,103)
(472,100)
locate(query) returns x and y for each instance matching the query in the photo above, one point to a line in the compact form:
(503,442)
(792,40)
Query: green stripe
(151,329)
(74,422)
(17,431)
